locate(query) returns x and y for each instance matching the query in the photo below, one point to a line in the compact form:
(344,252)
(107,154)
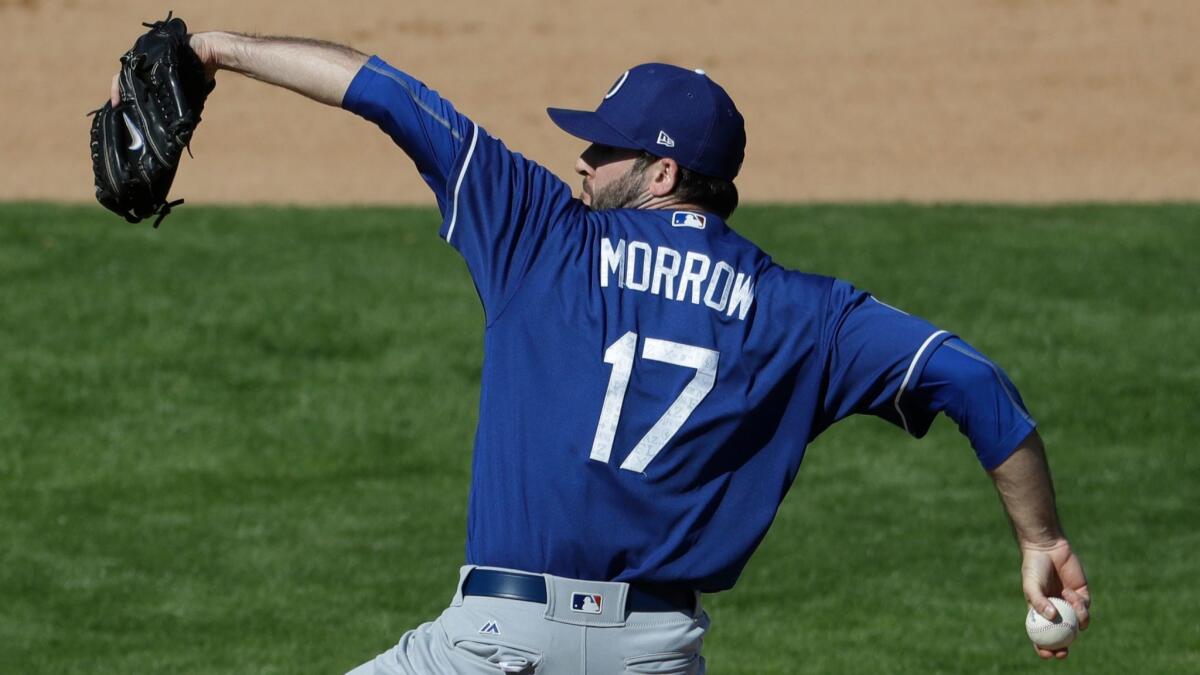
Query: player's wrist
(1045,542)
(214,48)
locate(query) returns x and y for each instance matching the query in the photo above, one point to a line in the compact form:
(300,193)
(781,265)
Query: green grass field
(240,444)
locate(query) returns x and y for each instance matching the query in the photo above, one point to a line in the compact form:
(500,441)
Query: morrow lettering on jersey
(683,277)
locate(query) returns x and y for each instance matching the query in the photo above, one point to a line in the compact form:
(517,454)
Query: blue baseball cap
(667,111)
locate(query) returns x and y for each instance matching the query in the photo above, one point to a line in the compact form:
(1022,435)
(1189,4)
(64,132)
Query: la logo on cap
(616,86)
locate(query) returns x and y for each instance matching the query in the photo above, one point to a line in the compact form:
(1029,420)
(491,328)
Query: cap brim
(587,125)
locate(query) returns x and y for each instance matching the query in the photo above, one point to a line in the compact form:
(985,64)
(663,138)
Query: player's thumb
(1036,571)
(1039,602)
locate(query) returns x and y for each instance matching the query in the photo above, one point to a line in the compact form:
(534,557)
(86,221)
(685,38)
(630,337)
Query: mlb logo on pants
(588,603)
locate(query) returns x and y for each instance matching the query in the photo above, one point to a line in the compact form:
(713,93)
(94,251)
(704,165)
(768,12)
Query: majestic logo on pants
(588,603)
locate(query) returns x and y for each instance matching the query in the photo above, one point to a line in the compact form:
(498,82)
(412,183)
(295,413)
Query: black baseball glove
(136,146)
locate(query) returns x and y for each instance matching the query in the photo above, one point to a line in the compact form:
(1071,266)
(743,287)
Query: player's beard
(626,192)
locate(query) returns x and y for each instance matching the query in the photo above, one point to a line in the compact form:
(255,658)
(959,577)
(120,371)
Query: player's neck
(647,201)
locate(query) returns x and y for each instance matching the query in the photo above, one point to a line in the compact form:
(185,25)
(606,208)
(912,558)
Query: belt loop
(458,591)
(586,603)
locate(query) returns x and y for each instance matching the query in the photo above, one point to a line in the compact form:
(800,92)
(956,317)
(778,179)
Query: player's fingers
(1082,606)
(1051,653)
(114,93)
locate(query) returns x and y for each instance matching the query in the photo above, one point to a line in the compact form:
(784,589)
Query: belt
(532,588)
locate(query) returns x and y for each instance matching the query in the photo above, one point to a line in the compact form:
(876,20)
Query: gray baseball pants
(489,636)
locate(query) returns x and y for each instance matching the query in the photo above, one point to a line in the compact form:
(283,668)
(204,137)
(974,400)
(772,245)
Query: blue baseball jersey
(650,378)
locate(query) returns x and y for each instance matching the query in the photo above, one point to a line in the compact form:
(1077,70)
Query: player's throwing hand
(1055,571)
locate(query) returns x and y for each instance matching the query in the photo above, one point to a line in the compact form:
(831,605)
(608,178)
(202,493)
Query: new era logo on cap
(664,139)
(588,603)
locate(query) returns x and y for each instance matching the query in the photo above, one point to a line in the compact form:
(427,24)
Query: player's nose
(581,167)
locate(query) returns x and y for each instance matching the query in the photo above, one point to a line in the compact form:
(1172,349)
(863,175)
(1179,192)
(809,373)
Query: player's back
(643,406)
(650,378)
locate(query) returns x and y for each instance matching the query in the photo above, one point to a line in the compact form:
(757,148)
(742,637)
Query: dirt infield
(1000,100)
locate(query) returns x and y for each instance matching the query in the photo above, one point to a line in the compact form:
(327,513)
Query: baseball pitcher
(651,378)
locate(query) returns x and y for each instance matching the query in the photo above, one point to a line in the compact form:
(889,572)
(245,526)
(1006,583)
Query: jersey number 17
(620,355)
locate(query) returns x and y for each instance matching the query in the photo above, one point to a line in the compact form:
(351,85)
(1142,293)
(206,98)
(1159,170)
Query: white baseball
(1054,634)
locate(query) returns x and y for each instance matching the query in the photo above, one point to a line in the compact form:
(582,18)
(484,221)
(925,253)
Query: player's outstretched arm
(1048,565)
(319,70)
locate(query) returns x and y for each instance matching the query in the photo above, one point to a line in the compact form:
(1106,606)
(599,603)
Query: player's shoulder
(790,281)
(793,296)
(795,292)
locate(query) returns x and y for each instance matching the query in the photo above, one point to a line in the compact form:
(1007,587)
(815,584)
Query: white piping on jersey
(416,100)
(897,309)
(995,371)
(462,174)
(908,375)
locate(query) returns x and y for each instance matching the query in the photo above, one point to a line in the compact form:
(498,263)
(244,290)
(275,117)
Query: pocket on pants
(500,656)
(664,663)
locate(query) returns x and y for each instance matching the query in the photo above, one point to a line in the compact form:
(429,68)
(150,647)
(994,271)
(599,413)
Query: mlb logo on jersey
(687,219)
(588,603)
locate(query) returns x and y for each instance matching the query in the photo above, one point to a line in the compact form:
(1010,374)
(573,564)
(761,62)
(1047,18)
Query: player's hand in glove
(139,136)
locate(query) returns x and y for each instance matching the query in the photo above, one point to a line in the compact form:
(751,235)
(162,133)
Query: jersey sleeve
(978,396)
(875,355)
(425,125)
(499,209)
(504,212)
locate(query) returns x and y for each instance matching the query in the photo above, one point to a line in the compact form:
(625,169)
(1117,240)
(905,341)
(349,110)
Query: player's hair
(715,195)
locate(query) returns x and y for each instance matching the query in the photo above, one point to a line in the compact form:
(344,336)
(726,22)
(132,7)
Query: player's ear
(664,176)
